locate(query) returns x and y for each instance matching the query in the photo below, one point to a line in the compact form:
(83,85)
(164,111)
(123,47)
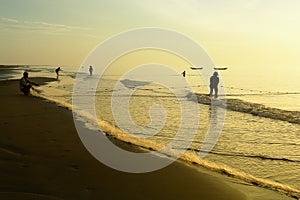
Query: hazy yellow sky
(235,33)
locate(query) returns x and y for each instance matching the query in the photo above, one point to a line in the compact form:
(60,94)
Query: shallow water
(259,146)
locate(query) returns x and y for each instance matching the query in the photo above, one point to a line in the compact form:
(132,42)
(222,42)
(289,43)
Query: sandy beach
(210,87)
(42,157)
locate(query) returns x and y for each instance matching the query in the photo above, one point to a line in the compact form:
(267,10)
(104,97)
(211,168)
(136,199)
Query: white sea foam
(190,156)
(266,148)
(253,108)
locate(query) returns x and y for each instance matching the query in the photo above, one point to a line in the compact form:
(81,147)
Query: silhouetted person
(26,84)
(57,72)
(91,70)
(183,73)
(214,81)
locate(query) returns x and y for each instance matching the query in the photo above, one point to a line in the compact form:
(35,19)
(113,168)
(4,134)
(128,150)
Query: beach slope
(42,157)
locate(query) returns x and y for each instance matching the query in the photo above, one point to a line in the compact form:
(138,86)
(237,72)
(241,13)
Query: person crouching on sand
(26,84)
(214,81)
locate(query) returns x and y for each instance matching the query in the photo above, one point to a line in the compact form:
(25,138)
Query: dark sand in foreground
(42,157)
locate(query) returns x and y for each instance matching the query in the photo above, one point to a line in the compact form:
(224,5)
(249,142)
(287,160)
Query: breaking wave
(252,108)
(191,156)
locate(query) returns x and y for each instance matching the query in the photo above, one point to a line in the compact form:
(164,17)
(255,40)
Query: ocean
(261,150)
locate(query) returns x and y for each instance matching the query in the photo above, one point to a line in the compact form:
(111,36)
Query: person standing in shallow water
(183,73)
(57,72)
(214,82)
(25,84)
(91,70)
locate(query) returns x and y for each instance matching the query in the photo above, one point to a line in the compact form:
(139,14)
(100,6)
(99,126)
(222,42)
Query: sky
(240,34)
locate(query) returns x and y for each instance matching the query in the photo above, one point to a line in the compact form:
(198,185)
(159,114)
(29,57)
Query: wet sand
(42,157)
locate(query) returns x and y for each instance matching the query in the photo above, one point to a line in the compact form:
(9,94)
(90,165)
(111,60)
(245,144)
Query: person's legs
(211,90)
(26,89)
(216,92)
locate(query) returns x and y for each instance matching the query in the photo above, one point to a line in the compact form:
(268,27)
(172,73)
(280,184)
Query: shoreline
(222,186)
(43,157)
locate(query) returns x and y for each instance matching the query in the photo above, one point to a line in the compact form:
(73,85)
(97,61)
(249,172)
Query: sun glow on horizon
(236,33)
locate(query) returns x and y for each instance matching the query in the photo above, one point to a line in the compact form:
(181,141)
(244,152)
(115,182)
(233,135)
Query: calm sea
(260,150)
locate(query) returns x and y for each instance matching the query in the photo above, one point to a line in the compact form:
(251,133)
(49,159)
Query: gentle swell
(189,156)
(253,108)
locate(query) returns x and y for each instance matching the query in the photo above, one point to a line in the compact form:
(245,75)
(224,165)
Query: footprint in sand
(74,167)
(89,189)
(25,165)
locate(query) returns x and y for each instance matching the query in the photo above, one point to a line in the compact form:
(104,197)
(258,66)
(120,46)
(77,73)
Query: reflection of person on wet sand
(57,72)
(26,84)
(214,81)
(91,70)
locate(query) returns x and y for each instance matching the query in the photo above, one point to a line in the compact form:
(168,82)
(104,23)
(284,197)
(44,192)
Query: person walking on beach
(57,72)
(214,81)
(26,84)
(183,73)
(91,70)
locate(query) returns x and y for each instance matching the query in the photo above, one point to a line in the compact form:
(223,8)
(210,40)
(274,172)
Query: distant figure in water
(214,81)
(26,84)
(91,70)
(57,72)
(183,73)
